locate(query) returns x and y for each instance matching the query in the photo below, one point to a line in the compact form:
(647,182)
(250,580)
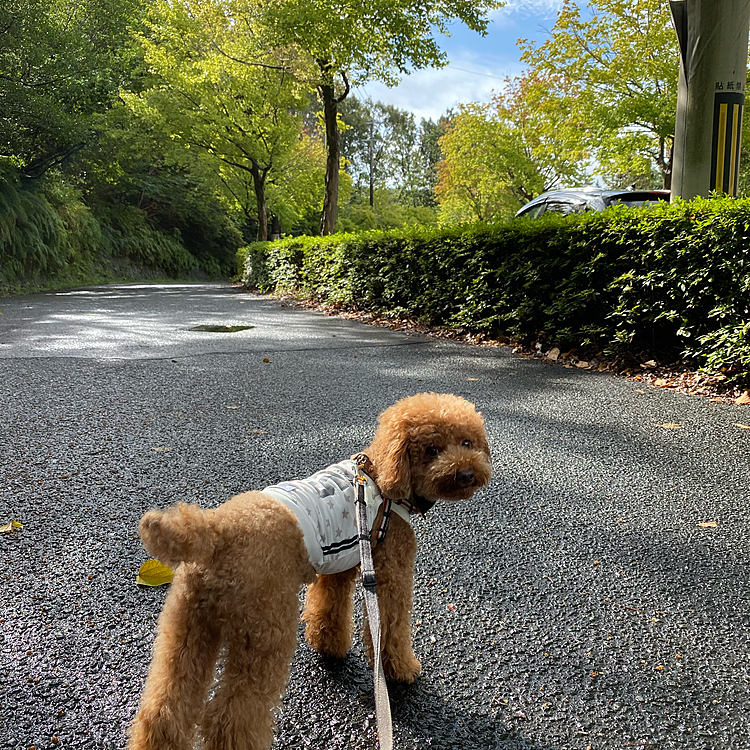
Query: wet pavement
(596,594)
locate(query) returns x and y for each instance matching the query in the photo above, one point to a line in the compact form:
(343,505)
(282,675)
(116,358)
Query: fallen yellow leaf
(670,426)
(473,380)
(8,527)
(708,524)
(742,426)
(743,399)
(154,573)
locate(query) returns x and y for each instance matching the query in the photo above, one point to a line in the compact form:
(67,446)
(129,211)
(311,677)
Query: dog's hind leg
(260,646)
(329,611)
(182,668)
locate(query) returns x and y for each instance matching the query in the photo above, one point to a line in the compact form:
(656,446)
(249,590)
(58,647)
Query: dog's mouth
(459,486)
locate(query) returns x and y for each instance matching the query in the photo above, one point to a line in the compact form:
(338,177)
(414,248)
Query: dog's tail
(183,533)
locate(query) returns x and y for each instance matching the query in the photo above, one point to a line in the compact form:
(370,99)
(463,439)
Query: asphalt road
(576,602)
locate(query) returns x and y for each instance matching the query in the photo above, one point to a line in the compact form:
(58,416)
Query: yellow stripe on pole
(733,152)
(739,145)
(721,148)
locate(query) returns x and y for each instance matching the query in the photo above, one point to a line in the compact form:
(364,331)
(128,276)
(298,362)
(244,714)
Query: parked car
(578,200)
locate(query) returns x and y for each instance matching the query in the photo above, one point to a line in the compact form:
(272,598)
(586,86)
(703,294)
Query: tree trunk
(370,161)
(330,111)
(259,183)
(331,199)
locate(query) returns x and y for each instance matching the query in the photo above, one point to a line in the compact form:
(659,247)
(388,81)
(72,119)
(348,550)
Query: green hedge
(670,281)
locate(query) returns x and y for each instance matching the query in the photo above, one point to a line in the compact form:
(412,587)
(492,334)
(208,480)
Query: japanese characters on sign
(730,86)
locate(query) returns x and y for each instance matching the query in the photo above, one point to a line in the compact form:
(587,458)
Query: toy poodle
(240,568)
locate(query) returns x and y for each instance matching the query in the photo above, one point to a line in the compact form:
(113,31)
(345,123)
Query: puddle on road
(220,329)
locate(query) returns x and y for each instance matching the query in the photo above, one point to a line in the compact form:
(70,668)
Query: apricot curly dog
(240,567)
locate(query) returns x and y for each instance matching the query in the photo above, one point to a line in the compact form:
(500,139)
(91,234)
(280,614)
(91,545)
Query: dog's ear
(389,454)
(394,471)
(485,446)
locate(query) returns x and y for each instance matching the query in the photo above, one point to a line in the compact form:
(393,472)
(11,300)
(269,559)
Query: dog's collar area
(416,506)
(420,506)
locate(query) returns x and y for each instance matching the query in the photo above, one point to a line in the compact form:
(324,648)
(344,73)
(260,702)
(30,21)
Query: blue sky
(478,65)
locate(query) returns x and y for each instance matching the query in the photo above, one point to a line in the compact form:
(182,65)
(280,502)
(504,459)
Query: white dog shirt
(325,510)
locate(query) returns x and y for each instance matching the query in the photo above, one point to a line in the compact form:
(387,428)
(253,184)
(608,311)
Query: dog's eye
(433,451)
(466,443)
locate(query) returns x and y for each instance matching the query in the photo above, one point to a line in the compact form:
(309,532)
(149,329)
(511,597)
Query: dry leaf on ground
(708,524)
(8,527)
(670,426)
(664,383)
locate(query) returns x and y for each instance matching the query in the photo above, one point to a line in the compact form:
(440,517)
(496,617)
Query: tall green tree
(353,41)
(622,55)
(220,91)
(499,155)
(430,134)
(385,148)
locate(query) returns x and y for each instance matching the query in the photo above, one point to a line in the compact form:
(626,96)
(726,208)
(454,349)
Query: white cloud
(478,64)
(540,9)
(429,93)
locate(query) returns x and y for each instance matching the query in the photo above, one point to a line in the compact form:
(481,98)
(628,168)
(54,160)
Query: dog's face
(432,446)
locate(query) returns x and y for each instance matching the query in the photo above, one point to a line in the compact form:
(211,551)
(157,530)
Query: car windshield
(566,207)
(631,201)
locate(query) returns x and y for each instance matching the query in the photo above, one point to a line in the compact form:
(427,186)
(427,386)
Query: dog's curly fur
(239,570)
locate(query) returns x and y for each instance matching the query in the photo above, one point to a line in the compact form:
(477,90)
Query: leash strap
(369,581)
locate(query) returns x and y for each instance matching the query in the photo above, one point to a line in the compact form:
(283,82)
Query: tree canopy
(498,156)
(352,41)
(218,90)
(623,60)
(61,61)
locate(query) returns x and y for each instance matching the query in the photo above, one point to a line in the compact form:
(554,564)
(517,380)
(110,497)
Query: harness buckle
(369,581)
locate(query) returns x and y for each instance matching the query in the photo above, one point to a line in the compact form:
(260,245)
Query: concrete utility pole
(713,37)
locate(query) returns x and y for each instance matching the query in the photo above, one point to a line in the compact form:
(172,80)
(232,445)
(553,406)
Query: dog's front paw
(401,669)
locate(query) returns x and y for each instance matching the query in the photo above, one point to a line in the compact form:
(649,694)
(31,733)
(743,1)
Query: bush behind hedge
(671,281)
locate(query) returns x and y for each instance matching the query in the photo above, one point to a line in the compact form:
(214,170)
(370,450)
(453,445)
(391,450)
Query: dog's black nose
(465,477)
